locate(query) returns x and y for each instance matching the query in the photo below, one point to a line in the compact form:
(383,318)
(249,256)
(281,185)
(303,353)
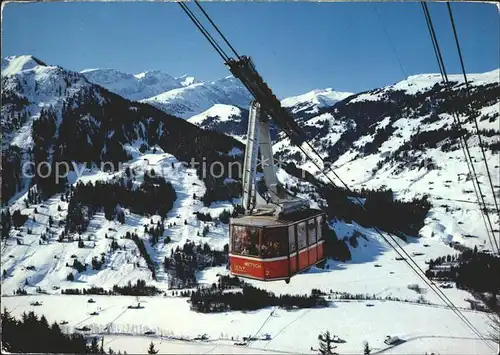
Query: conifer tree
(325,343)
(151,349)
(366,348)
(94,346)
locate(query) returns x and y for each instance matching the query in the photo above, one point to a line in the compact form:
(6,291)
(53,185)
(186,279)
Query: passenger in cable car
(269,249)
(245,241)
(273,246)
(250,250)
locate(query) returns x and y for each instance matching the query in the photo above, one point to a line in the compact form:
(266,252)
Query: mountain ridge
(185,96)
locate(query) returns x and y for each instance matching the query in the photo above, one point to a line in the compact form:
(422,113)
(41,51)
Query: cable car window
(274,243)
(319,221)
(292,246)
(302,235)
(311,230)
(245,240)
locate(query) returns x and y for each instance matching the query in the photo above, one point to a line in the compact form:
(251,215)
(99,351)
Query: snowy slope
(28,86)
(224,113)
(399,137)
(193,99)
(50,259)
(135,87)
(82,110)
(312,101)
(425,329)
(15,64)
(423,82)
(227,119)
(354,321)
(183,96)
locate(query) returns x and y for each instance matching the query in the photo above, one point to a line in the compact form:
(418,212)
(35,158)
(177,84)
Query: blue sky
(297,47)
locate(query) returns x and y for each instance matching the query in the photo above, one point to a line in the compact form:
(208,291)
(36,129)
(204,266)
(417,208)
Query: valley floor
(424,328)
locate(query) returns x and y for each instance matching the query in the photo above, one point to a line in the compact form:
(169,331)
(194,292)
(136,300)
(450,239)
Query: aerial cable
(444,77)
(415,267)
(203,30)
(459,50)
(429,283)
(435,43)
(263,324)
(463,140)
(390,42)
(432,40)
(217,29)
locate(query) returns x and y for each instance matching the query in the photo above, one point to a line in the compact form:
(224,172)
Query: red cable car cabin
(276,248)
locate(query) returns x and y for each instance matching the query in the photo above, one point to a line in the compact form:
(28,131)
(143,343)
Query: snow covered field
(423,327)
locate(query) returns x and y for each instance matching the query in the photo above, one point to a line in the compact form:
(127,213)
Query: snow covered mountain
(403,137)
(54,117)
(193,99)
(310,103)
(44,107)
(227,119)
(183,96)
(233,120)
(29,86)
(187,97)
(139,86)
(14,64)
